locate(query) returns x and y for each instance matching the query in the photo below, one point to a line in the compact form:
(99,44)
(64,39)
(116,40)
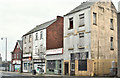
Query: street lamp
(5,51)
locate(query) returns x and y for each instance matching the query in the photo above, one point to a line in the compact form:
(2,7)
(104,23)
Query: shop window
(51,64)
(82,65)
(25,66)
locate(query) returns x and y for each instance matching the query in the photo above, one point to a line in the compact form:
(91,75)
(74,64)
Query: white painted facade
(27,52)
(39,48)
(71,36)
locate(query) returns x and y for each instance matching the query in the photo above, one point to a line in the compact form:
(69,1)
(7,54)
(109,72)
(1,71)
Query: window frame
(81,66)
(94,18)
(70,23)
(36,36)
(81,16)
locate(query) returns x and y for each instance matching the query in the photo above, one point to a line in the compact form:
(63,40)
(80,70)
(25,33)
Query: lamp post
(5,51)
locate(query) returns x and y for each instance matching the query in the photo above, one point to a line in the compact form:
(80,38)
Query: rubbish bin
(33,72)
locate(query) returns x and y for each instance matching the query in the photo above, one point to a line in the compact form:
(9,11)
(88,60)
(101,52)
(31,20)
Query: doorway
(66,68)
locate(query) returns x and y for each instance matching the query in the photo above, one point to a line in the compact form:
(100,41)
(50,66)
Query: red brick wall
(54,34)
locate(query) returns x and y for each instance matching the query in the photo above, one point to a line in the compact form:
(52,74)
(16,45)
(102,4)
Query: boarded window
(81,17)
(81,39)
(82,65)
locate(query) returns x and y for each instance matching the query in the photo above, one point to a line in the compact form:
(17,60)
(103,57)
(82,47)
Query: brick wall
(54,34)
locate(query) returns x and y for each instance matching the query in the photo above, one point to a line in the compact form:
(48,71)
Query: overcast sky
(17,17)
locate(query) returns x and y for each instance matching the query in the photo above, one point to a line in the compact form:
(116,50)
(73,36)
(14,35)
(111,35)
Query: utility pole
(5,52)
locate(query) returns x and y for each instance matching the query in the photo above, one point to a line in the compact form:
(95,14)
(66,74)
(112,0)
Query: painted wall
(71,37)
(37,43)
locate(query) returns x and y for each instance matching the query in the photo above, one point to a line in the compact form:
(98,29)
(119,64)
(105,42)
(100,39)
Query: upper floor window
(14,56)
(25,39)
(111,24)
(81,40)
(41,35)
(36,36)
(71,23)
(30,38)
(94,18)
(20,56)
(81,22)
(111,40)
(17,56)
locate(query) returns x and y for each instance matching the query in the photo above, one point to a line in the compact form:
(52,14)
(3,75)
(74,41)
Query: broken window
(94,18)
(71,23)
(111,39)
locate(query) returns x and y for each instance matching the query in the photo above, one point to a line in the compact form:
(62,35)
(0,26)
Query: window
(20,55)
(111,39)
(81,35)
(82,65)
(17,56)
(14,56)
(81,17)
(36,36)
(25,66)
(41,34)
(71,23)
(30,38)
(101,9)
(72,56)
(94,18)
(25,39)
(81,40)
(111,24)
(51,64)
(82,56)
(60,65)
(30,49)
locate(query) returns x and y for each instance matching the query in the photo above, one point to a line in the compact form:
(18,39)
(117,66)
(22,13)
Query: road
(19,75)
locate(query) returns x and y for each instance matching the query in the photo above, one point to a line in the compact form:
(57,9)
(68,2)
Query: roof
(82,6)
(40,27)
(20,43)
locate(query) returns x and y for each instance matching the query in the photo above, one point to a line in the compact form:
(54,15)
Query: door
(72,67)
(66,68)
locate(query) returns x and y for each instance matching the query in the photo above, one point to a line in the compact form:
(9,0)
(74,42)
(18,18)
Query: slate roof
(20,43)
(40,27)
(82,6)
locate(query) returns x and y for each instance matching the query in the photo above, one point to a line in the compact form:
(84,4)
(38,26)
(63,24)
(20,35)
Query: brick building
(54,47)
(39,42)
(17,57)
(90,39)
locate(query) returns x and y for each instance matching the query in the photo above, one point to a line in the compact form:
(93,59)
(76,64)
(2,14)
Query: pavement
(4,74)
